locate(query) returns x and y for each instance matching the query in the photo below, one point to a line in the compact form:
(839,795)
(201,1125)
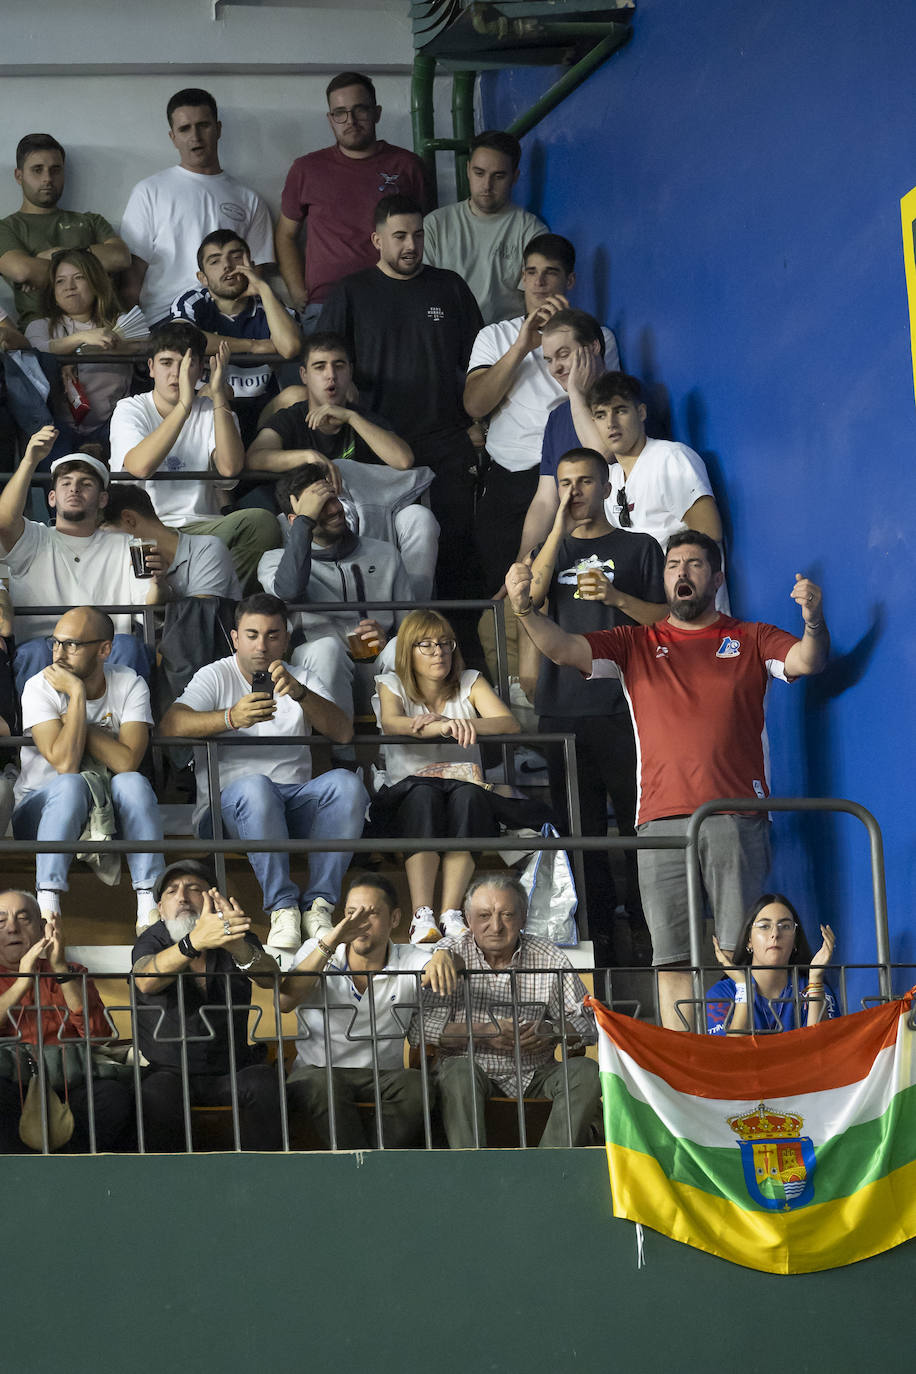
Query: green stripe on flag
(845,1163)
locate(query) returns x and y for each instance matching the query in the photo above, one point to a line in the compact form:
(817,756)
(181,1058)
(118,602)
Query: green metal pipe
(462,125)
(421,114)
(570,80)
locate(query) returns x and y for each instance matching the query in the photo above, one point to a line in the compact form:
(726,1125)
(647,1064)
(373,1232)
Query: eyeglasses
(623,510)
(70,644)
(781,927)
(429,646)
(358,113)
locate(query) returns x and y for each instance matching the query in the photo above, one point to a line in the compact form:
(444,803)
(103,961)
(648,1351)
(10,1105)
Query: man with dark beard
(203,933)
(233,304)
(695,684)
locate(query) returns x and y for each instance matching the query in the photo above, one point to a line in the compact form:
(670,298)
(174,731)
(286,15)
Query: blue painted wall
(732,181)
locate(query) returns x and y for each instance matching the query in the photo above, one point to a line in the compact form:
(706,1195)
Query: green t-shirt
(34,233)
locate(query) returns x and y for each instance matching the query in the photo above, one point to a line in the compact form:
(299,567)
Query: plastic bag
(552,902)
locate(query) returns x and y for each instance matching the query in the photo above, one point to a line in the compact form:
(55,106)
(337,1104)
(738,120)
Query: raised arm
(285,337)
(145,458)
(62,741)
(222,924)
(16,492)
(809,654)
(228,449)
(570,650)
(486,387)
(541,515)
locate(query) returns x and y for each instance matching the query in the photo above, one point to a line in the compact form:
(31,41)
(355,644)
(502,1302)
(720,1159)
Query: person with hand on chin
(771,945)
(175,428)
(360,951)
(206,934)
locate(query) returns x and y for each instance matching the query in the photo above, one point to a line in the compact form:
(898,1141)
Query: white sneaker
(452,923)
(284,928)
(318,918)
(423,929)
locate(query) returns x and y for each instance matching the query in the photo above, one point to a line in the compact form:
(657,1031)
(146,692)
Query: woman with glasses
(437,791)
(771,945)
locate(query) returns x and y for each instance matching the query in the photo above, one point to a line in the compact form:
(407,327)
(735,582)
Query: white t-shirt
(517,424)
(665,481)
(219,685)
(394,993)
(404,760)
(487,250)
(125,699)
(170,213)
(176,503)
(48,568)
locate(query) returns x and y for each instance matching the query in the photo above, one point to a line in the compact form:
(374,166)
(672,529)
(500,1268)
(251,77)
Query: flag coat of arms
(787,1153)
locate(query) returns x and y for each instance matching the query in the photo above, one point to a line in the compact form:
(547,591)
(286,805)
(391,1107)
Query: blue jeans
(329,807)
(59,811)
(35,654)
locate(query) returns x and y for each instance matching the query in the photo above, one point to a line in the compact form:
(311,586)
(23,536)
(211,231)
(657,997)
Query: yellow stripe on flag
(819,1236)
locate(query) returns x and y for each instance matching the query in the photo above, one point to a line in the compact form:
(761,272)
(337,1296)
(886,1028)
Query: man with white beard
(204,933)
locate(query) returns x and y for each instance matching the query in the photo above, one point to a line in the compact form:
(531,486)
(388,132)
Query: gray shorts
(734,863)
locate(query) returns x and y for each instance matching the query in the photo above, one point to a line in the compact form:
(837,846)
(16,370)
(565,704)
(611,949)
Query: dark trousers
(606,765)
(259,1106)
(433,809)
(112,1106)
(452,457)
(501,511)
(400,1090)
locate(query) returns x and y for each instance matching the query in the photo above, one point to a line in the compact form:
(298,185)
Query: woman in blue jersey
(771,944)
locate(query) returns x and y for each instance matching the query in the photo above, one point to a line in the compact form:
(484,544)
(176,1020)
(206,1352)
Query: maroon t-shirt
(339,194)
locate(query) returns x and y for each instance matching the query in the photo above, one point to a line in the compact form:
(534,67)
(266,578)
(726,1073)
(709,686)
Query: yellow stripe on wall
(819,1236)
(907,217)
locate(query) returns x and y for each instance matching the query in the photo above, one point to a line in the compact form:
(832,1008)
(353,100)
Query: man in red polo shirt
(695,684)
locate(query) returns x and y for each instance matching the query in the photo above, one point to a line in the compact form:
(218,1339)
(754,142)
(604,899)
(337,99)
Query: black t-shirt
(637,563)
(205,1012)
(412,338)
(291,426)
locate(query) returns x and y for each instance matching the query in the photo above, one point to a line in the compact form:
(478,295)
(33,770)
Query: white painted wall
(111,120)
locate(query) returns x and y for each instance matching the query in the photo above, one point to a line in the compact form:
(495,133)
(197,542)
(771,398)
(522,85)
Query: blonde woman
(433,791)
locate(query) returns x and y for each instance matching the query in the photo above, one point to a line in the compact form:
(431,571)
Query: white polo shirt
(395,993)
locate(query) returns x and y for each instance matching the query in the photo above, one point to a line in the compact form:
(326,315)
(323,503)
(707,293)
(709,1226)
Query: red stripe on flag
(830,1055)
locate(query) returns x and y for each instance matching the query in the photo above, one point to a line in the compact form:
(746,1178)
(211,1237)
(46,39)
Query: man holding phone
(267,792)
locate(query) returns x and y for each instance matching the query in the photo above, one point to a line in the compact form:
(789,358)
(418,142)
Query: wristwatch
(186,948)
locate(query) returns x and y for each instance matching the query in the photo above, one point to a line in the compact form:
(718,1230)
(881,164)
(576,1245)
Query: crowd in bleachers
(265,445)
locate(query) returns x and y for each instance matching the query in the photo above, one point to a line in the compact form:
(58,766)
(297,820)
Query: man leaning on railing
(522,1005)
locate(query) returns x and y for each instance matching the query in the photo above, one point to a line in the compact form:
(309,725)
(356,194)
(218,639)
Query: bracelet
(65,977)
(186,948)
(326,950)
(527,611)
(227,717)
(817,627)
(256,954)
